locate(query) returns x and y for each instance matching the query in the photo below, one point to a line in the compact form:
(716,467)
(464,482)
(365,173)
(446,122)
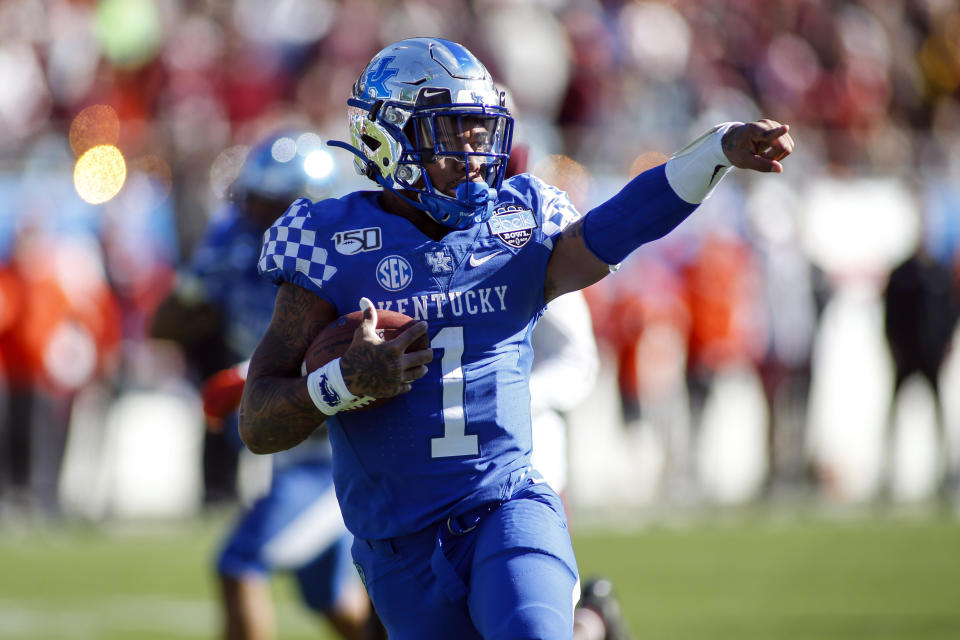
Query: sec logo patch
(394,273)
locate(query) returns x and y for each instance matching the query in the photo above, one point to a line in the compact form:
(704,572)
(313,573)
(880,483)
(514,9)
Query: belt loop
(383,547)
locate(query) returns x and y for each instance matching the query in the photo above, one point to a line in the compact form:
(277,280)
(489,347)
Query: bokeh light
(25,98)
(96,125)
(308,142)
(658,37)
(99,174)
(225,168)
(529,47)
(194,44)
(646,161)
(298,22)
(318,164)
(284,149)
(567,175)
(129,31)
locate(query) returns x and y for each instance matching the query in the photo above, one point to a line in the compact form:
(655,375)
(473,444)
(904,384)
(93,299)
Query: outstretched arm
(280,407)
(655,202)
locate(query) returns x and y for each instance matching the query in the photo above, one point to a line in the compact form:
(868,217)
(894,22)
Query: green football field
(738,578)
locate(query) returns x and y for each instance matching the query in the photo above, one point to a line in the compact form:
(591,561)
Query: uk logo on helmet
(394,273)
(377,77)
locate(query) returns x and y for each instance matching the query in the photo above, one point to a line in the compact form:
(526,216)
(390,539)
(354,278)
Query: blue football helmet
(285,166)
(425,99)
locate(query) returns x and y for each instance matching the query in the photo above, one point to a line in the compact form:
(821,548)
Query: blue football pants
(295,527)
(512,577)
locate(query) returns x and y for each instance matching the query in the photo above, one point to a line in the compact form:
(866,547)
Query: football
(337,336)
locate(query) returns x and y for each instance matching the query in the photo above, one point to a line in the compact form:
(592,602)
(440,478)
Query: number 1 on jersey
(455,441)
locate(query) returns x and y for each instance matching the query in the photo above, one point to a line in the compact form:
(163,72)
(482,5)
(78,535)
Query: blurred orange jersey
(65,321)
(724,294)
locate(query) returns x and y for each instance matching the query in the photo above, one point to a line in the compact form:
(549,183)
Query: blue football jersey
(455,439)
(225,263)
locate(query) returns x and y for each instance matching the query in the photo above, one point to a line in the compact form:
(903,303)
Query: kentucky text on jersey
(457,303)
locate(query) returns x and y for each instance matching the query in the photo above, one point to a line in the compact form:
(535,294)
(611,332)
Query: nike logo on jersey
(716,170)
(475,262)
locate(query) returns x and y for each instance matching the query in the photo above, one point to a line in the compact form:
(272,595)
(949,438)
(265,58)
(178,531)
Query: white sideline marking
(176,617)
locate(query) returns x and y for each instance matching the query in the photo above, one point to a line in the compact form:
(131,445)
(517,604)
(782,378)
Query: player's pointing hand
(374,367)
(758,145)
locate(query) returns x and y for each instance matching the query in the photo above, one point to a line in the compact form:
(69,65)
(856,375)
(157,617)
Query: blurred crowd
(124,122)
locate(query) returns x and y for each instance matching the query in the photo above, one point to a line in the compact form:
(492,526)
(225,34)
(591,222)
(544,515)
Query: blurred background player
(566,363)
(921,309)
(217,313)
(565,367)
(564,373)
(59,333)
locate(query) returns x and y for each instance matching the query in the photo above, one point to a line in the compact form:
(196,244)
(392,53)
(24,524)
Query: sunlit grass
(749,578)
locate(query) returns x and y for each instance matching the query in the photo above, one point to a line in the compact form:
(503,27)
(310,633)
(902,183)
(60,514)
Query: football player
(296,526)
(456,534)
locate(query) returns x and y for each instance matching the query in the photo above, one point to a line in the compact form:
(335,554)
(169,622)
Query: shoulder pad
(290,250)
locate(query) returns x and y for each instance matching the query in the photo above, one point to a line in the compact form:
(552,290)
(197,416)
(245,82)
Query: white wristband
(329,391)
(696,169)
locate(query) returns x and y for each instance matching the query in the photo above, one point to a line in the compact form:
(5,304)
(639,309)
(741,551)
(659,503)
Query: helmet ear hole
(373,143)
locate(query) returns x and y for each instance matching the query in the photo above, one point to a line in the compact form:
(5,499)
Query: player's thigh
(524,581)
(408,598)
(530,595)
(328,576)
(286,528)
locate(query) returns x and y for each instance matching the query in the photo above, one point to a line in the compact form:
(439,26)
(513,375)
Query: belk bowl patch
(513,225)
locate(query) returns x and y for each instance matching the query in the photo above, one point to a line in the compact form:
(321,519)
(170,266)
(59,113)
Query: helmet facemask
(455,161)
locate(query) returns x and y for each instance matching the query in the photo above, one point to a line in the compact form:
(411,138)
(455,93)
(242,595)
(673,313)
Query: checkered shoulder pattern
(290,252)
(556,210)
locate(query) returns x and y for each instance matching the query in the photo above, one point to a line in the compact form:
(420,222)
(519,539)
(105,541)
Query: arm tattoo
(572,266)
(276,412)
(727,142)
(574,230)
(373,369)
